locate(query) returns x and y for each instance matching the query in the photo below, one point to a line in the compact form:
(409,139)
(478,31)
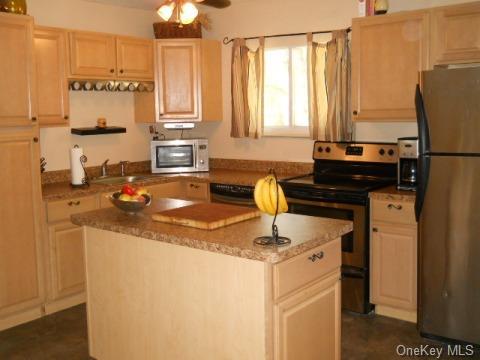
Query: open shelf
(98,131)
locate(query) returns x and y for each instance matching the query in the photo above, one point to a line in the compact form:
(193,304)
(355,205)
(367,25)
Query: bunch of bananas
(268,195)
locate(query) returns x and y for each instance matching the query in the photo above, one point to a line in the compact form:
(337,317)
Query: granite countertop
(63,190)
(392,193)
(306,232)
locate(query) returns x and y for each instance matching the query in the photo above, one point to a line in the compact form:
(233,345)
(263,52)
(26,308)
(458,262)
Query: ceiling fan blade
(219,4)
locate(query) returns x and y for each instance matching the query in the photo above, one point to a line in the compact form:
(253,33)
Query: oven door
(173,158)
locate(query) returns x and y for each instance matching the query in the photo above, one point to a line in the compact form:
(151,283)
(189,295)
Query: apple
(139,198)
(128,190)
(142,191)
(125,197)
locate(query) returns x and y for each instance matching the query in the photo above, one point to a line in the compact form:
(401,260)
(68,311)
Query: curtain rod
(227,41)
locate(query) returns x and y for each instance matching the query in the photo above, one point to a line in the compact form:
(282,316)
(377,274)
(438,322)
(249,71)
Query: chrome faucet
(123,166)
(104,168)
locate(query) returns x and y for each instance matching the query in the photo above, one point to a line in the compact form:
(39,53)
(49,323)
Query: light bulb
(188,13)
(166,10)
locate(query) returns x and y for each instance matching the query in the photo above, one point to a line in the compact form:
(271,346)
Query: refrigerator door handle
(423,175)
(422,122)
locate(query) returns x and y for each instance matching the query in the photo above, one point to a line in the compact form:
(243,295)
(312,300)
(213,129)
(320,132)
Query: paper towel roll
(77,172)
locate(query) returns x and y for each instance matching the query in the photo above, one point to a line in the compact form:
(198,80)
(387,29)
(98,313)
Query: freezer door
(452,106)
(449,250)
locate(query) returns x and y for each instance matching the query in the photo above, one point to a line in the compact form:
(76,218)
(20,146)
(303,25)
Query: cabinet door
(178,71)
(316,310)
(17,71)
(134,58)
(197,191)
(168,190)
(394,266)
(66,259)
(387,55)
(455,34)
(52,84)
(20,260)
(92,55)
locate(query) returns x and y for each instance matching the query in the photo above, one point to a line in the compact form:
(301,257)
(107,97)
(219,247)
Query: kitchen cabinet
(387,54)
(188,82)
(455,34)
(197,191)
(393,280)
(134,58)
(307,296)
(173,190)
(92,55)
(317,311)
(52,84)
(18,101)
(104,56)
(64,253)
(21,270)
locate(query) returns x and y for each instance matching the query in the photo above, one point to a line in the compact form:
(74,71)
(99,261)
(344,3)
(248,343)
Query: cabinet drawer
(61,210)
(197,191)
(166,190)
(397,212)
(305,268)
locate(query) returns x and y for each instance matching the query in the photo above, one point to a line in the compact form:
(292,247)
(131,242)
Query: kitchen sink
(116,180)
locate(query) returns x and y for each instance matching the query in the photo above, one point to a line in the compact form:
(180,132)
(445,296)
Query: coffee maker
(407,163)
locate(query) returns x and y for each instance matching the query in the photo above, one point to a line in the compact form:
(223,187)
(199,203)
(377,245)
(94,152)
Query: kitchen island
(161,291)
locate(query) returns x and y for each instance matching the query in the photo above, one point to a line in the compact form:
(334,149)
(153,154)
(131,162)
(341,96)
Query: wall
(243,18)
(85,108)
(253,17)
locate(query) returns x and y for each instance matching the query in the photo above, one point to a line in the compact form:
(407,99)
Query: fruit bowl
(130,207)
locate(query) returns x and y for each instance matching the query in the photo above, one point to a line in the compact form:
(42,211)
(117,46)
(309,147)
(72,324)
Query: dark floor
(63,336)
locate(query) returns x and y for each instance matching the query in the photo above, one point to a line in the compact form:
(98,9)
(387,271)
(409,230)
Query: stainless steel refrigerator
(448,204)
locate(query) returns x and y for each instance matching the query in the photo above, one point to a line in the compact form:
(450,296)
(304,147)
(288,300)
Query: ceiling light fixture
(185,11)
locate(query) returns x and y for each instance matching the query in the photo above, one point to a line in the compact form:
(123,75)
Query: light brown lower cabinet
(21,265)
(301,318)
(67,265)
(393,260)
(220,306)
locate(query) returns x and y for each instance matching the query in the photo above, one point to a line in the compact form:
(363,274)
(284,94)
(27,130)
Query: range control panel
(346,151)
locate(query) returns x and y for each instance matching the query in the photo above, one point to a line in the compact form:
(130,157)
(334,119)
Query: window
(286,92)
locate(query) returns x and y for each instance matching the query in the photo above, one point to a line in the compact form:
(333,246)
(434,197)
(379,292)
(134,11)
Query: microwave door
(174,158)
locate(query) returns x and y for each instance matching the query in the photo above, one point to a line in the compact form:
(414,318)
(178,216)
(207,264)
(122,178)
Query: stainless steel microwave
(179,156)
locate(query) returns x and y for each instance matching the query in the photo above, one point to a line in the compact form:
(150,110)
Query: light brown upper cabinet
(104,56)
(188,83)
(134,58)
(387,54)
(52,84)
(18,104)
(456,34)
(92,55)
(179,79)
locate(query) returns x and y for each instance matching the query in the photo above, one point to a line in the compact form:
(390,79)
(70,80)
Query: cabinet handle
(35,139)
(355,112)
(121,71)
(112,70)
(66,117)
(396,207)
(375,229)
(74,203)
(34,118)
(317,256)
(195,186)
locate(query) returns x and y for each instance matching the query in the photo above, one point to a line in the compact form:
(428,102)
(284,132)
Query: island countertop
(306,232)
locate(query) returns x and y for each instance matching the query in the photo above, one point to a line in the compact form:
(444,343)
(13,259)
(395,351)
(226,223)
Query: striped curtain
(247,90)
(329,79)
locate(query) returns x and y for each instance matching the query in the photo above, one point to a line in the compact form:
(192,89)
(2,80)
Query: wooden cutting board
(207,216)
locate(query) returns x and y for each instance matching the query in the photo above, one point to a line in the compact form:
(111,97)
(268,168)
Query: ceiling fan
(185,11)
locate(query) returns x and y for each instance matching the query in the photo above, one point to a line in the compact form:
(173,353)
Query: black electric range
(343,175)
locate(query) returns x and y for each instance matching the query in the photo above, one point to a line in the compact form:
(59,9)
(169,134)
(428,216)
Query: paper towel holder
(85,180)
